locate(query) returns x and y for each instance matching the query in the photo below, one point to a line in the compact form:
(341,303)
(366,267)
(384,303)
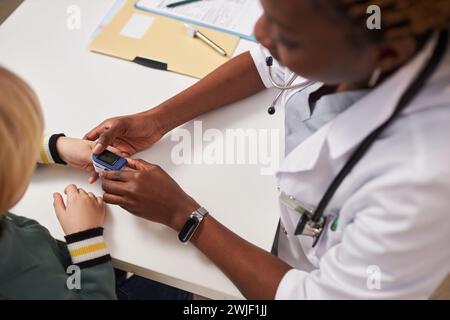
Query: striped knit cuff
(88,248)
(48,154)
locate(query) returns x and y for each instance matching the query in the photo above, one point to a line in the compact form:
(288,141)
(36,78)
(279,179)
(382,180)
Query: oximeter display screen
(108,157)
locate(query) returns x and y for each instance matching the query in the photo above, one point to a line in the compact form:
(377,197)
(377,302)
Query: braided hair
(405,17)
(417,18)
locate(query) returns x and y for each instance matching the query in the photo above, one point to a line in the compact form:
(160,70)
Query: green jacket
(33,264)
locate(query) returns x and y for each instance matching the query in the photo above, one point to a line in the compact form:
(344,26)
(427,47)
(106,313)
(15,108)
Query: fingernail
(101,174)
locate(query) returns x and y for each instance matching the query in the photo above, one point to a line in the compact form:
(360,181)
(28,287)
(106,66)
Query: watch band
(192,224)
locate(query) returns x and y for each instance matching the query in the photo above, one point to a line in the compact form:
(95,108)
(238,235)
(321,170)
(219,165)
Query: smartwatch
(192,224)
(108,161)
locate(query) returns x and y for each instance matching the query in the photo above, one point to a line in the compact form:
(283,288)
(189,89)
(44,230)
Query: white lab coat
(393,236)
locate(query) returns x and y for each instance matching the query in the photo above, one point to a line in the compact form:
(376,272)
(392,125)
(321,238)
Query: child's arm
(82,218)
(77,153)
(48,153)
(92,278)
(49,269)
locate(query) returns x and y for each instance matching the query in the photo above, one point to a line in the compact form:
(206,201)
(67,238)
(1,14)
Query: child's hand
(83,210)
(78,154)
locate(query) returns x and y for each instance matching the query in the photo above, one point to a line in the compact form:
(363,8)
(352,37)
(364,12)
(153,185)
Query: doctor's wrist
(181,215)
(158,119)
(170,115)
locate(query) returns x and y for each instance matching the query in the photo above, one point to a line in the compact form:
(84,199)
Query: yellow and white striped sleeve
(48,153)
(88,248)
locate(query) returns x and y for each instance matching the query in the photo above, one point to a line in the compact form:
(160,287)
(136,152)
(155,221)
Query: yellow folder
(162,44)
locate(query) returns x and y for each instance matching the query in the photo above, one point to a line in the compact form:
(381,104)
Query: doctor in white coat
(365,185)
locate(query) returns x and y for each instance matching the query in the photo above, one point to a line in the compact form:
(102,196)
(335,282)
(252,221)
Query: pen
(180,3)
(192,32)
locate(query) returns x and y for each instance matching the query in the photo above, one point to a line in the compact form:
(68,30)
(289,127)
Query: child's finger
(82,192)
(100,200)
(71,190)
(93,177)
(58,204)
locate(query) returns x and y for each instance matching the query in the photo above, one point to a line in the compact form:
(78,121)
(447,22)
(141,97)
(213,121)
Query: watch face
(188,229)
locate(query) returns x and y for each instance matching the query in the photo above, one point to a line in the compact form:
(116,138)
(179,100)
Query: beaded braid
(401,17)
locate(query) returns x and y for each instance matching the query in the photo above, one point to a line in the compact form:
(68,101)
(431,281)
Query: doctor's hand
(149,192)
(129,134)
(77,153)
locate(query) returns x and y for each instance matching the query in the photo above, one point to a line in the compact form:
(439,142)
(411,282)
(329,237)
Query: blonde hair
(21,128)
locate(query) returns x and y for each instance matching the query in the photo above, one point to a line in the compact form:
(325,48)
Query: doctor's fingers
(121,175)
(95,133)
(116,187)
(107,135)
(141,165)
(115,199)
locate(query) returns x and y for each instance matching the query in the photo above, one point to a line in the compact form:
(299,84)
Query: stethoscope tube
(271,109)
(283,88)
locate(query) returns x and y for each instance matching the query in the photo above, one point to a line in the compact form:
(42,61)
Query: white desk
(79,89)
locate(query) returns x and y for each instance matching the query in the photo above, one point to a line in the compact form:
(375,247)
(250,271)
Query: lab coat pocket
(332,233)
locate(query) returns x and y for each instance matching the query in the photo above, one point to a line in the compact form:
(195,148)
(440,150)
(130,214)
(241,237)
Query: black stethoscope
(312,222)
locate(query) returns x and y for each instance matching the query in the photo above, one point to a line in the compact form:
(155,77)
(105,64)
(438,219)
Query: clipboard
(212,14)
(159,42)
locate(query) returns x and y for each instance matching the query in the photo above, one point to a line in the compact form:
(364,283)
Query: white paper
(137,26)
(237,16)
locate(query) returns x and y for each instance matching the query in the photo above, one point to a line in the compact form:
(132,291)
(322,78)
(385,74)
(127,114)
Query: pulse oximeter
(108,161)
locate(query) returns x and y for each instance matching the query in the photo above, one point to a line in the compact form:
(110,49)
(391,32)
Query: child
(33,264)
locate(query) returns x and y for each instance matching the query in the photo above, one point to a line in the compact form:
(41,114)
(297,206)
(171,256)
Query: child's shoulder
(19,221)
